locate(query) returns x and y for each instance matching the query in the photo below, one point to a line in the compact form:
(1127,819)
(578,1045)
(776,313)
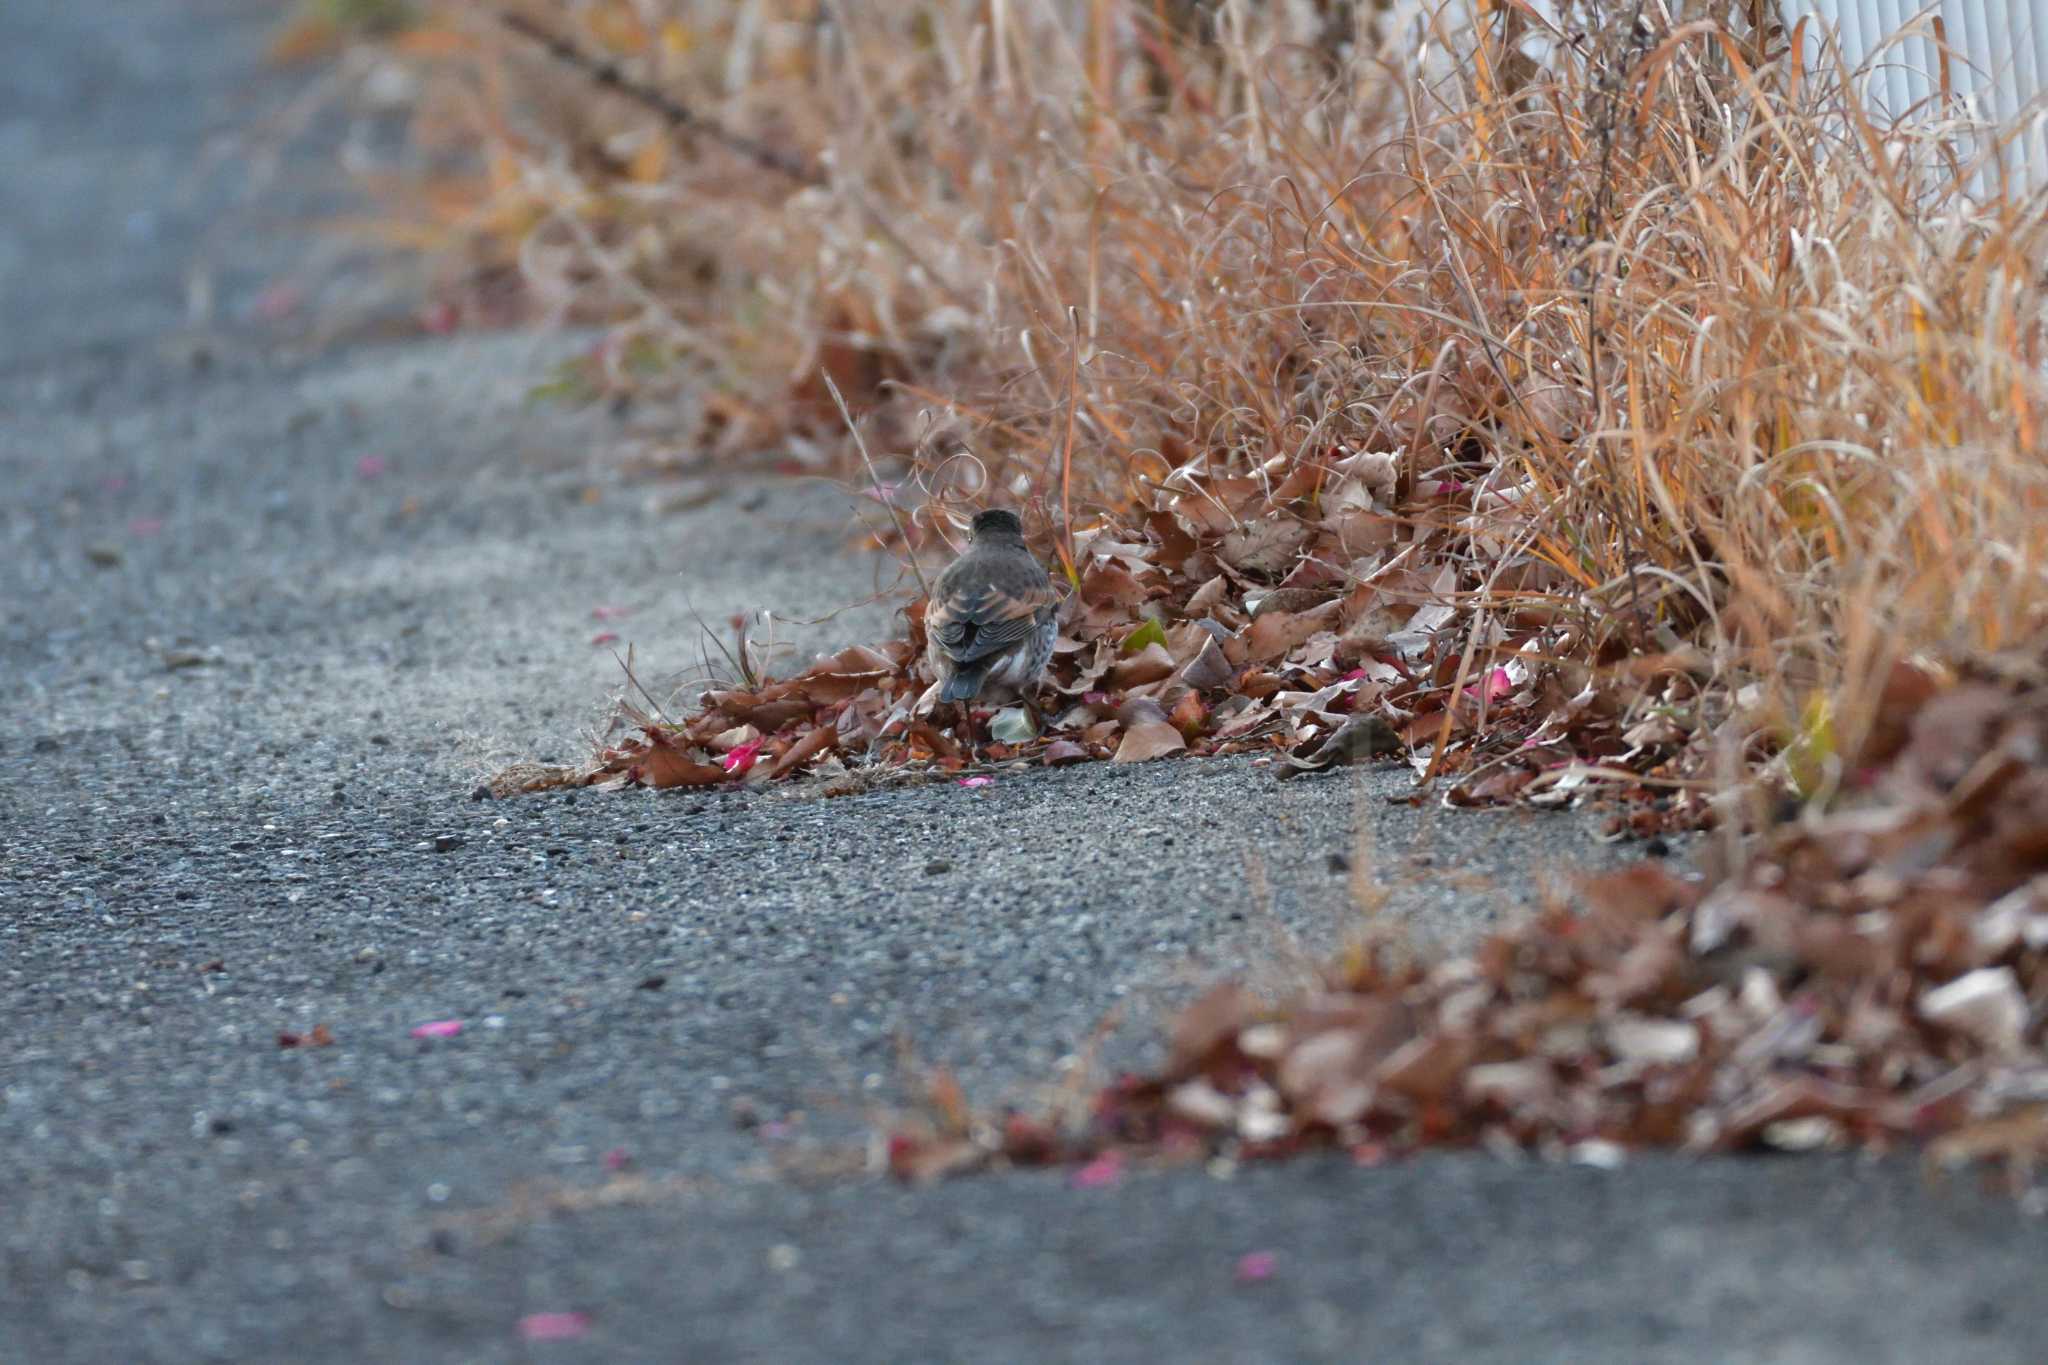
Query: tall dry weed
(1697,360)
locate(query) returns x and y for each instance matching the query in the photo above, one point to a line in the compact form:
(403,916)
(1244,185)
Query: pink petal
(977,781)
(605,637)
(617,1159)
(114,483)
(1254,1266)
(1106,1169)
(278,302)
(741,757)
(370,466)
(439,318)
(1497,684)
(609,613)
(145,526)
(553,1326)
(884,493)
(439,1028)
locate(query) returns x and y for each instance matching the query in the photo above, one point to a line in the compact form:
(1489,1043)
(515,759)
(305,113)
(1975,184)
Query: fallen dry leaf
(1149,740)
(1359,739)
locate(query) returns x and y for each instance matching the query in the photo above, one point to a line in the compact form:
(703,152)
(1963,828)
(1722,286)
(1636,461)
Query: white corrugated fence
(1997,64)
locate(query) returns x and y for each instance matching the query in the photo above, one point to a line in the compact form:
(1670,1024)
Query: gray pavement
(266,617)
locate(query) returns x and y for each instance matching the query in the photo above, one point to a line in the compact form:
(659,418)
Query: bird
(993,614)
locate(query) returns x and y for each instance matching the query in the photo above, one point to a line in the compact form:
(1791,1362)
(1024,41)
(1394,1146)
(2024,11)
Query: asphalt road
(266,613)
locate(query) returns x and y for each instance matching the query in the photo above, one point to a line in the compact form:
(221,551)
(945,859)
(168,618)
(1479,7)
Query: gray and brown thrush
(993,615)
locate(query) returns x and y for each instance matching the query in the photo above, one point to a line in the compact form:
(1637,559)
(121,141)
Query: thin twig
(860,443)
(679,115)
(626,665)
(704,629)
(1067,454)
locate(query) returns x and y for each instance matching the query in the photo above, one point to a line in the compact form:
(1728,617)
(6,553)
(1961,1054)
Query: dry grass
(1724,373)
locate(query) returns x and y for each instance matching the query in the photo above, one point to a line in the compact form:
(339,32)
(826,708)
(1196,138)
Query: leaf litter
(1869,974)
(1328,621)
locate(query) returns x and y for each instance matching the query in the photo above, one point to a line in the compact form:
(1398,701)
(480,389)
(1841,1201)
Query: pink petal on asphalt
(553,1326)
(279,302)
(1106,1169)
(617,1159)
(370,466)
(114,483)
(609,613)
(1254,1266)
(145,526)
(439,1028)
(977,781)
(605,637)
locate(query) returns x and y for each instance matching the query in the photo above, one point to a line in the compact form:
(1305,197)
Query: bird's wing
(976,614)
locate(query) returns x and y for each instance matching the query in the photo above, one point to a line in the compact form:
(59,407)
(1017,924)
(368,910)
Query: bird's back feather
(991,616)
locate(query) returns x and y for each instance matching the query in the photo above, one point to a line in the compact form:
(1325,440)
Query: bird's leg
(963,725)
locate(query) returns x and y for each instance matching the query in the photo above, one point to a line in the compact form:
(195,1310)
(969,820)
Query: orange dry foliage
(1689,372)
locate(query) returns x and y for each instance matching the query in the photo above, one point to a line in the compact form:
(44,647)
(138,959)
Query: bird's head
(997,523)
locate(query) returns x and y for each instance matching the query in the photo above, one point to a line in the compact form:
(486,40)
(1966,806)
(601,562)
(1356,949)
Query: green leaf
(1810,758)
(1151,633)
(569,383)
(646,357)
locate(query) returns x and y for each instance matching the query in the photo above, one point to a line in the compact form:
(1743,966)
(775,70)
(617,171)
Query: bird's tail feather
(964,685)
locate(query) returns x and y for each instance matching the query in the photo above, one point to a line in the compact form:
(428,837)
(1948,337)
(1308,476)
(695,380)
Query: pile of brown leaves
(1349,611)
(1864,977)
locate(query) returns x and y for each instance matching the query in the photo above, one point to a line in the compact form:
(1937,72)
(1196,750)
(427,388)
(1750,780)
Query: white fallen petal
(1512,1085)
(1637,1038)
(1200,1102)
(1803,1135)
(1598,1153)
(1986,1004)
(1262,1040)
